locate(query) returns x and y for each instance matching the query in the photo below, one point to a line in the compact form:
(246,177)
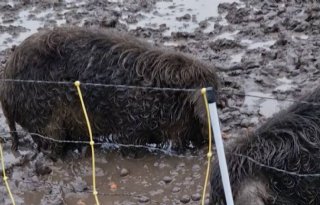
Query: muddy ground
(262,48)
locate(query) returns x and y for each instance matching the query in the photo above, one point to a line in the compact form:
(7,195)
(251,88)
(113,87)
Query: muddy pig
(279,162)
(122,115)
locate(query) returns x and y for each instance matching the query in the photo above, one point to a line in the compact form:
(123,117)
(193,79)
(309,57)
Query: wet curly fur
(131,116)
(290,141)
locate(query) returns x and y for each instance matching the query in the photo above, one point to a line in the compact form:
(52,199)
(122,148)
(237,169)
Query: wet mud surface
(258,47)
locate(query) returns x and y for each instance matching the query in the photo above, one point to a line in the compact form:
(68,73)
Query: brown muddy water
(260,49)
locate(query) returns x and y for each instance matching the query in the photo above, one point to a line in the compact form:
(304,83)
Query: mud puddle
(151,179)
(179,16)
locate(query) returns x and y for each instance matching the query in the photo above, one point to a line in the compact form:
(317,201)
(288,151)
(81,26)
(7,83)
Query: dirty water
(266,107)
(31,21)
(189,12)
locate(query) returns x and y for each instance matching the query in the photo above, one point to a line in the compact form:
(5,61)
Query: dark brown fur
(132,116)
(288,141)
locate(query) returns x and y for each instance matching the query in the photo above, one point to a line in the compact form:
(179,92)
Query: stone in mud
(167,179)
(196,197)
(176,189)
(185,17)
(124,172)
(196,168)
(185,199)
(144,199)
(203,24)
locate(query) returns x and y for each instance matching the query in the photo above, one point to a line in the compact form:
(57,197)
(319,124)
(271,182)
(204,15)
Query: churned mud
(268,49)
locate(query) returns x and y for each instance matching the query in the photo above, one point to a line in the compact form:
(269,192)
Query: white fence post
(219,146)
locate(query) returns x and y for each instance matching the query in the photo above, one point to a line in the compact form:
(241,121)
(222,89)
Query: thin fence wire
(101,85)
(106,143)
(222,91)
(275,168)
(172,154)
(237,93)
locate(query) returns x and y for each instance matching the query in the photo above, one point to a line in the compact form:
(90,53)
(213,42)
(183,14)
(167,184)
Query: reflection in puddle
(176,43)
(113,1)
(237,57)
(171,43)
(166,13)
(269,107)
(299,36)
(11,3)
(284,87)
(246,41)
(254,45)
(29,20)
(265,45)
(285,84)
(227,35)
(75,3)
(266,107)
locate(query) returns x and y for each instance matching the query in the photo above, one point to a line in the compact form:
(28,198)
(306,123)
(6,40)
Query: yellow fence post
(95,192)
(209,155)
(5,178)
